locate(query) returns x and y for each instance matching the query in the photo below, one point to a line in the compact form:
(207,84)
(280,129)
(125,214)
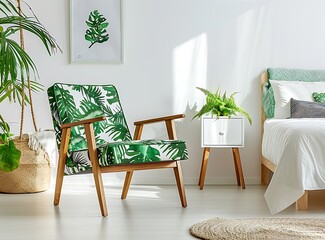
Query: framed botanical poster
(95,31)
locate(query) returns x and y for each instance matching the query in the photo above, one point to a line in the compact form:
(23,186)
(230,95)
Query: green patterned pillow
(319,97)
(268,100)
(286,75)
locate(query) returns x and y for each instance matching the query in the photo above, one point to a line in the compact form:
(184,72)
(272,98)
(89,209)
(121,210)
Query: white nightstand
(222,132)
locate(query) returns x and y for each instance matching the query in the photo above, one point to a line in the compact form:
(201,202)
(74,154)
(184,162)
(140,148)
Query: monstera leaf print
(80,158)
(106,156)
(77,140)
(99,129)
(175,151)
(55,115)
(112,154)
(69,163)
(65,104)
(76,162)
(118,116)
(108,111)
(91,93)
(142,153)
(111,94)
(117,126)
(118,132)
(89,109)
(52,102)
(95,93)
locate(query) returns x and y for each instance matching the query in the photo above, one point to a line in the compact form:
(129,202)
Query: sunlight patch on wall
(249,30)
(189,71)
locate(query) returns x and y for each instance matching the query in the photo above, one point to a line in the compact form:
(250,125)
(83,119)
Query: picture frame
(96,31)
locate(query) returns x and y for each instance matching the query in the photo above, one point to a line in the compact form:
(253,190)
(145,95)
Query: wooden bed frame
(268,167)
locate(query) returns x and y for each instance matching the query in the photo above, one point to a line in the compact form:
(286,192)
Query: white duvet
(297,147)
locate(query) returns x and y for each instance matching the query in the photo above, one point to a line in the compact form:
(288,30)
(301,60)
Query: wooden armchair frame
(97,170)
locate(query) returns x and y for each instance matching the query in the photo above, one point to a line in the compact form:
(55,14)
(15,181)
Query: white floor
(149,212)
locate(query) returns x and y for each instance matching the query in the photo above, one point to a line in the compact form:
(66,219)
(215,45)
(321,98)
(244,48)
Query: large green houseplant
(18,72)
(218,105)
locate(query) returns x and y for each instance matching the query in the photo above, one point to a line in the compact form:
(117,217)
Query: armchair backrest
(71,103)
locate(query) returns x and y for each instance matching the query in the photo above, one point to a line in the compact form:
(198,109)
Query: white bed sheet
(297,147)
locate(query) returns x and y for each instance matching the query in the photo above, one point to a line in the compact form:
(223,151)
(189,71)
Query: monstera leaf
(89,109)
(111,94)
(112,155)
(175,151)
(77,163)
(92,93)
(80,157)
(96,33)
(65,104)
(118,116)
(9,156)
(143,153)
(118,132)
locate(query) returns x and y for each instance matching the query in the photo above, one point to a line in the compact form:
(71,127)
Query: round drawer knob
(221,133)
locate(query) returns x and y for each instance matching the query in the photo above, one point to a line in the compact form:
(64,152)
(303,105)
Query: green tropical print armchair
(72,103)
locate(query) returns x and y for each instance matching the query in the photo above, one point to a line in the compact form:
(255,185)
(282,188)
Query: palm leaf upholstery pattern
(70,103)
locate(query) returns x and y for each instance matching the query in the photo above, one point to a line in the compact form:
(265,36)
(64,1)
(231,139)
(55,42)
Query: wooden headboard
(266,166)
(264,79)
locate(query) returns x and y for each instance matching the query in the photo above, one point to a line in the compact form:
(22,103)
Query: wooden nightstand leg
(205,158)
(238,167)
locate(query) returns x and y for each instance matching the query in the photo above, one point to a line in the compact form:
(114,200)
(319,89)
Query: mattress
(297,147)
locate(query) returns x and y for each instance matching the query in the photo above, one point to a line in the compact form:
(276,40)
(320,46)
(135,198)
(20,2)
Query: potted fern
(219,105)
(18,74)
(220,125)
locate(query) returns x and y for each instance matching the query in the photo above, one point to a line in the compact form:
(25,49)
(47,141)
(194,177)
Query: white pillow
(285,90)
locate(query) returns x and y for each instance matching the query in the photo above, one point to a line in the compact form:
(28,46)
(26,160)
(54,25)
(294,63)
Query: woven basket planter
(33,175)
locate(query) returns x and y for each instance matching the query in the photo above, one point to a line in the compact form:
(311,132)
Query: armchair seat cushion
(141,151)
(128,152)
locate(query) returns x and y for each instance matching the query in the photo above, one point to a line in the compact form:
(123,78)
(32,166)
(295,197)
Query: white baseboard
(194,181)
(118,179)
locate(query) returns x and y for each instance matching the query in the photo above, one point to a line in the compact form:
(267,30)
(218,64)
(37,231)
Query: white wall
(171,46)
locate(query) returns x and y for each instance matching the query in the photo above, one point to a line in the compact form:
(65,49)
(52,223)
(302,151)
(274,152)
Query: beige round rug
(260,228)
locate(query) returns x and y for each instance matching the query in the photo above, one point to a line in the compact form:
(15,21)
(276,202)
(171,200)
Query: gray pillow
(305,109)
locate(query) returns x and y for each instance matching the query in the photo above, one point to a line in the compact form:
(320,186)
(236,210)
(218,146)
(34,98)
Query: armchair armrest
(168,121)
(160,119)
(86,121)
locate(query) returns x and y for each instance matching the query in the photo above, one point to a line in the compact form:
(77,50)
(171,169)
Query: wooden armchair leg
(95,168)
(59,180)
(126,185)
(62,158)
(100,191)
(180,184)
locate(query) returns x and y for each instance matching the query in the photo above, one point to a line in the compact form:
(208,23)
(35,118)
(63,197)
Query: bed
(293,150)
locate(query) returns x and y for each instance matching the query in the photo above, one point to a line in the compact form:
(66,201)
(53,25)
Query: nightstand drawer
(222,132)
